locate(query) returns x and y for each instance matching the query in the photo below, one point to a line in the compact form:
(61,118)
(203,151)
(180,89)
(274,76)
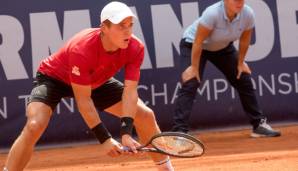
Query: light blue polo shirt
(223,31)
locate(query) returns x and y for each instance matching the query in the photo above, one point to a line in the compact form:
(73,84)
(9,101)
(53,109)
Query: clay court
(225,151)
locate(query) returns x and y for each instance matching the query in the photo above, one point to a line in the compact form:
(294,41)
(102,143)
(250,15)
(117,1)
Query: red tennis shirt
(83,60)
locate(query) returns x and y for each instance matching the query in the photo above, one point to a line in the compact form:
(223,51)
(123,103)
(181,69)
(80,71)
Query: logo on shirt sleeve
(76,71)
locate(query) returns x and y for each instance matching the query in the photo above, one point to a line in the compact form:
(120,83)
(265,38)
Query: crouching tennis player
(84,68)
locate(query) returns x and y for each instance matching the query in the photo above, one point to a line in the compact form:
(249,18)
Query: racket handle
(125,148)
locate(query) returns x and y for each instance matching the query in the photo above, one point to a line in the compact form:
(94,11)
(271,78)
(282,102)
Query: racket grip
(125,148)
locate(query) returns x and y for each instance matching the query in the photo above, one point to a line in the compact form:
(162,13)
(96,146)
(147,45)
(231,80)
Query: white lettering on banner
(276,84)
(46,36)
(145,88)
(264,30)
(164,94)
(178,86)
(254,84)
(262,82)
(233,93)
(12,34)
(137,30)
(3,111)
(45,33)
(205,86)
(167,30)
(69,105)
(288,27)
(218,90)
(284,83)
(296,82)
(26,98)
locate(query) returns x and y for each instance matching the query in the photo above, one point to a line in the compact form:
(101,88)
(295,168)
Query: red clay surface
(225,151)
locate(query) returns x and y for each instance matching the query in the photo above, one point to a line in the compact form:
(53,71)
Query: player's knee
(34,127)
(150,115)
(147,116)
(38,115)
(243,84)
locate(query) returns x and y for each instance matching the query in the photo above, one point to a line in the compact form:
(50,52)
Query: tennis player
(210,38)
(84,68)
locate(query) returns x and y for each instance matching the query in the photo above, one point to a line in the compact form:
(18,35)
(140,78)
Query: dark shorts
(50,91)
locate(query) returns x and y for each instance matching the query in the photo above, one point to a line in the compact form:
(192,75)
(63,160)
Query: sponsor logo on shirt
(76,71)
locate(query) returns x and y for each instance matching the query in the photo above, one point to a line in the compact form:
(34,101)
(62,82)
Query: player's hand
(243,68)
(189,73)
(129,142)
(112,147)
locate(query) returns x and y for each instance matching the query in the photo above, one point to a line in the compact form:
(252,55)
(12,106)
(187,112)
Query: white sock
(164,165)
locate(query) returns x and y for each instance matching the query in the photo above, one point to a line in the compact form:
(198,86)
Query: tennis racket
(174,144)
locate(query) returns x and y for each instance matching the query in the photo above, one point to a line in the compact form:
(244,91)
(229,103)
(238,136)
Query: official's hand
(189,73)
(243,68)
(112,147)
(128,141)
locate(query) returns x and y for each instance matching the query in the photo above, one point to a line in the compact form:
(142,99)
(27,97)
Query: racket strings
(177,146)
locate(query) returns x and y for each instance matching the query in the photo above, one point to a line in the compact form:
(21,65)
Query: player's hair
(106,23)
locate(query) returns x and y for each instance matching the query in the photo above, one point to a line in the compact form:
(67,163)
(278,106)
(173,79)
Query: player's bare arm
(88,111)
(129,99)
(193,70)
(85,104)
(244,43)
